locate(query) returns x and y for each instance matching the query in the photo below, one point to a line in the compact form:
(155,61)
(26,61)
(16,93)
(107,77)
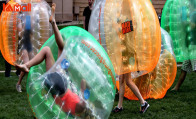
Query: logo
(102,60)
(127,27)
(17,8)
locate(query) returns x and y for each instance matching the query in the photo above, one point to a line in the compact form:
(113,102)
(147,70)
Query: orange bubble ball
(156,83)
(129,31)
(23,30)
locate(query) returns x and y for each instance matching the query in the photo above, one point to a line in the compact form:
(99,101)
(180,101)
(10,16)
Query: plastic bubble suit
(24,30)
(83,60)
(156,83)
(129,30)
(179,19)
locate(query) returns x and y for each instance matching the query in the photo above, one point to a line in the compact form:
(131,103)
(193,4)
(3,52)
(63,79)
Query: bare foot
(22,67)
(52,17)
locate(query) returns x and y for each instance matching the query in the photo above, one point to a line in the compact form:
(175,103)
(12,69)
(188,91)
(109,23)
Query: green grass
(13,105)
(175,105)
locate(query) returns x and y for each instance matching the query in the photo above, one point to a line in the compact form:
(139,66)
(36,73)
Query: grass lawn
(174,105)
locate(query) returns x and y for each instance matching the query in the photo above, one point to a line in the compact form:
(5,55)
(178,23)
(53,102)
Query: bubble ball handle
(65,64)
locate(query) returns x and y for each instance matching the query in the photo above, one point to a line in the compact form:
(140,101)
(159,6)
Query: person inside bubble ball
(64,97)
(188,65)
(70,102)
(27,48)
(126,78)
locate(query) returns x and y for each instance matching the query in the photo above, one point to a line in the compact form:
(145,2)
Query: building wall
(158,5)
(64,10)
(49,2)
(81,4)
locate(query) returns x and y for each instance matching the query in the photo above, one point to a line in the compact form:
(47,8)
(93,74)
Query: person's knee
(25,56)
(25,53)
(129,82)
(47,49)
(121,80)
(80,107)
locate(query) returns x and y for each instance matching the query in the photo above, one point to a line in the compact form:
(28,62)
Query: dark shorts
(189,65)
(27,45)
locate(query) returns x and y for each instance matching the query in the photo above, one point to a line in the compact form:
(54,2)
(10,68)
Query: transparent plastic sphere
(82,75)
(130,33)
(179,20)
(156,83)
(22,31)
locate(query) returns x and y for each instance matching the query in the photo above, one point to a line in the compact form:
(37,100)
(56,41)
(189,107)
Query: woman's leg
(121,90)
(58,37)
(186,67)
(119,108)
(134,88)
(83,112)
(181,80)
(31,55)
(25,58)
(44,54)
(80,107)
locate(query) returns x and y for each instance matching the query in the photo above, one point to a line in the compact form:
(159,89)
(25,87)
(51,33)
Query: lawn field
(175,105)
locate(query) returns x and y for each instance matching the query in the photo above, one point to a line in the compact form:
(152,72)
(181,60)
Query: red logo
(101,60)
(17,8)
(127,27)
